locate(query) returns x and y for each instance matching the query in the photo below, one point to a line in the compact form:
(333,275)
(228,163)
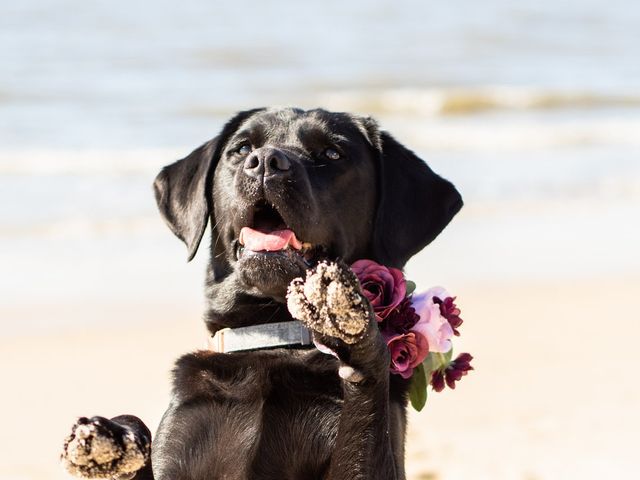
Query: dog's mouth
(268,234)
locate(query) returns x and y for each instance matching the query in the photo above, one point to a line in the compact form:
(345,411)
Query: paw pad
(329,301)
(93,450)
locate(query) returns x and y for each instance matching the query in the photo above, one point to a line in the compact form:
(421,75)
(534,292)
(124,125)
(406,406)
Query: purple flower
(450,311)
(401,319)
(437,380)
(384,287)
(458,369)
(452,373)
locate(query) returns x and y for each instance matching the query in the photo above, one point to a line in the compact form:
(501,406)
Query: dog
(289,194)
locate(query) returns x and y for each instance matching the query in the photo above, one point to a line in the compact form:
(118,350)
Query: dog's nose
(265,162)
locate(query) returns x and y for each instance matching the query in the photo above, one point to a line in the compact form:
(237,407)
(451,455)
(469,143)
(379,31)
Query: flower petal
(432,325)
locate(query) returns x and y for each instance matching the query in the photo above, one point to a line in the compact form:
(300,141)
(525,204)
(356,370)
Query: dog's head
(284,187)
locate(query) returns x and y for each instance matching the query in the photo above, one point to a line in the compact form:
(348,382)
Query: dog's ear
(180,194)
(414,205)
(182,189)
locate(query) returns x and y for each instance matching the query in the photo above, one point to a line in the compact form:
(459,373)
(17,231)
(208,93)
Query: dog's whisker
(214,228)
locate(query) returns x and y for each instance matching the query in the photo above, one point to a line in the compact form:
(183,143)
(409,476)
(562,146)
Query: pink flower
(384,287)
(432,325)
(407,350)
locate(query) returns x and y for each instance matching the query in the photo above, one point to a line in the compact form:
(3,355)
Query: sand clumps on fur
(92,451)
(329,302)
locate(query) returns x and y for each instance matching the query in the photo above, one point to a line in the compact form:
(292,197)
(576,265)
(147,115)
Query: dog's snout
(265,162)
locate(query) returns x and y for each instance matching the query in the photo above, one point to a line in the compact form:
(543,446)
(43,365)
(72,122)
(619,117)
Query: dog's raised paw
(99,448)
(329,301)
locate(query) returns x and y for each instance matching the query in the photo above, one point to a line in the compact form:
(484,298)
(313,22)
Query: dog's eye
(332,154)
(244,149)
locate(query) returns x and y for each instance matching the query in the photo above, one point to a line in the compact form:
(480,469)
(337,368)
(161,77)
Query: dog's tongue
(268,241)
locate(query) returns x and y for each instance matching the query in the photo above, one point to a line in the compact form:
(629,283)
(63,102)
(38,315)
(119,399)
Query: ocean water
(532,110)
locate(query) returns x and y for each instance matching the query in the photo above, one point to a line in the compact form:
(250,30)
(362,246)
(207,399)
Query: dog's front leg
(363,448)
(331,303)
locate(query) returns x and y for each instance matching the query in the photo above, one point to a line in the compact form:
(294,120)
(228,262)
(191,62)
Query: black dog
(286,191)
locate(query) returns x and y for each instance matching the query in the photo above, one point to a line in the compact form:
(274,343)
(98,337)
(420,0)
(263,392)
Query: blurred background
(532,110)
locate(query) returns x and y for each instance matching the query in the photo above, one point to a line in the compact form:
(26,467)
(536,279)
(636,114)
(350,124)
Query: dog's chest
(279,415)
(297,435)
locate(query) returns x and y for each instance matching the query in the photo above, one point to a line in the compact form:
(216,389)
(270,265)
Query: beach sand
(553,394)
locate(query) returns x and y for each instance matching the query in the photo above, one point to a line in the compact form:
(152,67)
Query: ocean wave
(522,135)
(461,101)
(83,228)
(81,161)
(421,119)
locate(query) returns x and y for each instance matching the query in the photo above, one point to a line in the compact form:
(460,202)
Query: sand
(554,394)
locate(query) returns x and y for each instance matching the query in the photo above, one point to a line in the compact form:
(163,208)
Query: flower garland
(417,327)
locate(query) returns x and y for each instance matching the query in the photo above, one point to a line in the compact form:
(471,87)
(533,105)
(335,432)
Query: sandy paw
(99,448)
(329,302)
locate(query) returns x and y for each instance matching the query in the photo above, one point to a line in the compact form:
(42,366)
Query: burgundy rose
(407,350)
(452,373)
(450,311)
(384,287)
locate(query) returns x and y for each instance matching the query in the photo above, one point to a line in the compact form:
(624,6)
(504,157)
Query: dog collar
(258,337)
